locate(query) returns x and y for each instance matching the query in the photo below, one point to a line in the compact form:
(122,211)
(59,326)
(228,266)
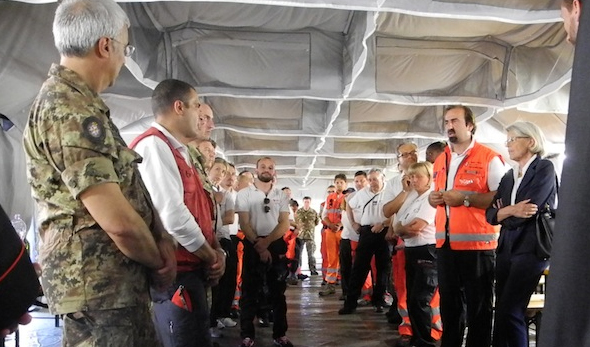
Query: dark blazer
(518,235)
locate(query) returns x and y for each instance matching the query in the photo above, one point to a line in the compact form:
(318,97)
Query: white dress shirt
(162,179)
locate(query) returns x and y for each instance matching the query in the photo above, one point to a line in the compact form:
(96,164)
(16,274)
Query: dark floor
(313,322)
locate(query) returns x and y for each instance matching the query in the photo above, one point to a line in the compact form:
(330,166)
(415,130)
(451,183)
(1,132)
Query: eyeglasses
(266,207)
(128,50)
(512,139)
(407,154)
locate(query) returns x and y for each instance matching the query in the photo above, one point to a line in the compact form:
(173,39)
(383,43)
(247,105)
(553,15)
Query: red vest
(467,226)
(196,199)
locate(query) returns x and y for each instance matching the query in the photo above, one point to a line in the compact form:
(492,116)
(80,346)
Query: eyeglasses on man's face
(408,154)
(128,50)
(266,207)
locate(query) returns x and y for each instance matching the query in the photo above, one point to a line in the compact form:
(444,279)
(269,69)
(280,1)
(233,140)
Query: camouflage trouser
(124,327)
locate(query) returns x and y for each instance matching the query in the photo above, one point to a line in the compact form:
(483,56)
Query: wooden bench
(534,313)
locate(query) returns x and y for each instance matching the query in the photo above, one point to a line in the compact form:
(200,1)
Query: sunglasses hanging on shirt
(266,206)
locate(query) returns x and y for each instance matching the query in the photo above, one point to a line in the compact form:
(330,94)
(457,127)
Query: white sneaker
(227,322)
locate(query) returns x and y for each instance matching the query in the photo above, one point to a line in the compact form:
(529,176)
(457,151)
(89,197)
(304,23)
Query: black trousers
(421,283)
(222,295)
(369,244)
(268,279)
(466,285)
(345,264)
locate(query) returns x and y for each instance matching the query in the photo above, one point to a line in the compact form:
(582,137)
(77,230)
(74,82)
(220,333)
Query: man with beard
(465,177)
(263,211)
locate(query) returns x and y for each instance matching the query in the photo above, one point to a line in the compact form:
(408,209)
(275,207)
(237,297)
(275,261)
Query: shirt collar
(471,144)
(177,144)
(72,78)
(526,167)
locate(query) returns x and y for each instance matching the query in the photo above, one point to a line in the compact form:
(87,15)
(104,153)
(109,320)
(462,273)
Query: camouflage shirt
(307,221)
(199,164)
(71,144)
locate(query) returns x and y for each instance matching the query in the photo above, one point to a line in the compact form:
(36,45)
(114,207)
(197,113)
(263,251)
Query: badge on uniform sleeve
(93,129)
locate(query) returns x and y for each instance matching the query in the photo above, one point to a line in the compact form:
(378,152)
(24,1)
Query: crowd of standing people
(136,236)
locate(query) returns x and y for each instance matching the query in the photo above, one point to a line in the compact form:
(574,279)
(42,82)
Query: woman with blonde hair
(523,192)
(414,223)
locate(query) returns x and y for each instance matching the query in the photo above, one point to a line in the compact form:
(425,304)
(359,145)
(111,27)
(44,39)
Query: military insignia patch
(93,129)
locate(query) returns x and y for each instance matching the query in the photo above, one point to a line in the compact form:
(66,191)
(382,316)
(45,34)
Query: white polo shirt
(418,207)
(370,205)
(348,232)
(228,203)
(251,200)
(394,185)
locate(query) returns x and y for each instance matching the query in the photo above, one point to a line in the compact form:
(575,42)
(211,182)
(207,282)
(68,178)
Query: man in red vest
(186,210)
(466,177)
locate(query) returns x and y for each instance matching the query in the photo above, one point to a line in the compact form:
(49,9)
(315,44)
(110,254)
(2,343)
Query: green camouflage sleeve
(88,152)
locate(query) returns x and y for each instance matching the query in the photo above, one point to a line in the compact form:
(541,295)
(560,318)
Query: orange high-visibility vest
(466,226)
(334,207)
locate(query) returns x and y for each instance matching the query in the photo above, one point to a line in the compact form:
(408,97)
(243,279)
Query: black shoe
(346,310)
(302,277)
(342,297)
(314,273)
(263,322)
(378,308)
(324,282)
(393,316)
(234,314)
(404,341)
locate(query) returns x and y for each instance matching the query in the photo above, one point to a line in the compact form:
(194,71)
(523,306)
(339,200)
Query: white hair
(79,24)
(528,129)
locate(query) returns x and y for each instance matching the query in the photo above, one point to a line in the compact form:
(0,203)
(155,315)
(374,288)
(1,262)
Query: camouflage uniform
(307,220)
(199,164)
(71,144)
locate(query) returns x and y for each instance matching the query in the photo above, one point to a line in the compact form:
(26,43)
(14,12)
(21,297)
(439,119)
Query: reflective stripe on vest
(467,226)
(333,207)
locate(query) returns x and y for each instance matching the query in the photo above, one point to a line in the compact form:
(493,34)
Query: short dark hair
(469,117)
(437,146)
(264,158)
(284,188)
(306,198)
(340,176)
(167,92)
(360,173)
(293,202)
(569,3)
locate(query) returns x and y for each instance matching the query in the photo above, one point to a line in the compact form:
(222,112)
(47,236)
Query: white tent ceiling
(322,86)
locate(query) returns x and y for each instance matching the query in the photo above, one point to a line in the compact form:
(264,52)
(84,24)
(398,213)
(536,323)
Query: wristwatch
(222,251)
(466,201)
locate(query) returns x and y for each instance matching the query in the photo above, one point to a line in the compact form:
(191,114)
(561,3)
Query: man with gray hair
(103,244)
(372,228)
